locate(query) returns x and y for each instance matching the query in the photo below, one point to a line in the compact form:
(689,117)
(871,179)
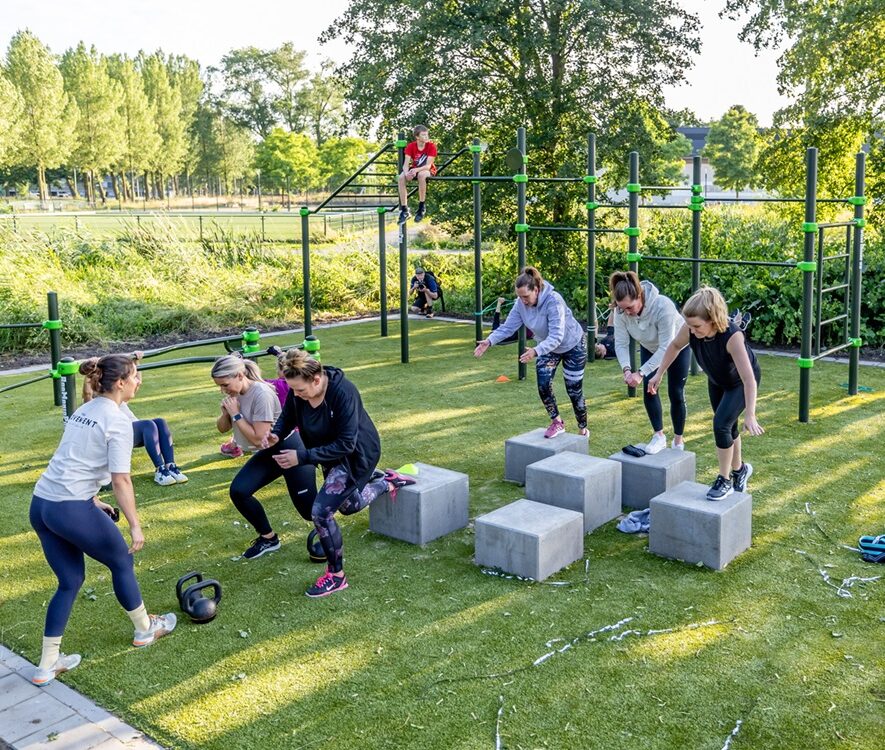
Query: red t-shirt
(419,157)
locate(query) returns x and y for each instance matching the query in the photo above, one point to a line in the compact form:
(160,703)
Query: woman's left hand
(102,506)
(528,355)
(286,459)
(634,379)
(752,426)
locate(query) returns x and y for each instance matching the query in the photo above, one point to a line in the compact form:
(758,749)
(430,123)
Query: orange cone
(502,379)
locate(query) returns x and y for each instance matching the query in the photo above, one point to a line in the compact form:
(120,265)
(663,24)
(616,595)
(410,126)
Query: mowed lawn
(425,650)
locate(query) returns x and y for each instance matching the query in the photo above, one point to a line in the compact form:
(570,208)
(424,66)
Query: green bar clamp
(520,178)
(305,211)
(807,265)
(401,144)
(520,228)
(858,343)
(697,189)
(312,347)
(475,148)
(860,223)
(590,178)
(809,226)
(697,199)
(634,257)
(64,369)
(591,205)
(52,325)
(696,206)
(857,200)
(631,231)
(381,210)
(634,187)
(251,340)
(805,364)
(525,159)
(476,182)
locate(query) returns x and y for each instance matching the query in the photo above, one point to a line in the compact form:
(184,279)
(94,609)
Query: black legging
(727,403)
(677,374)
(260,471)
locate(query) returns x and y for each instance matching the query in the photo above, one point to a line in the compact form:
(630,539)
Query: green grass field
(424,650)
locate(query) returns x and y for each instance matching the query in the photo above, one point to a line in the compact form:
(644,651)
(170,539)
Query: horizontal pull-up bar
(833,350)
(533,228)
(468,178)
(21,325)
(707,199)
(45,376)
(832,224)
(835,257)
(782,264)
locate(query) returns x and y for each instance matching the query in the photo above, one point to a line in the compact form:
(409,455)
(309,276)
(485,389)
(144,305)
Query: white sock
(51,646)
(139,617)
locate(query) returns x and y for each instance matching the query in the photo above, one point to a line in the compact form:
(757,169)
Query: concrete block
(586,484)
(435,505)
(649,476)
(530,539)
(525,449)
(686,526)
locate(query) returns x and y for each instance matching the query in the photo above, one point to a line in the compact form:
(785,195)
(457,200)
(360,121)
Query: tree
(165,101)
(11,108)
(324,104)
(284,68)
(49,115)
(100,141)
(286,156)
(224,149)
(733,145)
(672,158)
(341,157)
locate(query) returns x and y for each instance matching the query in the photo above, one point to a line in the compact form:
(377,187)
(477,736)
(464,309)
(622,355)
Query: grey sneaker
(404,215)
(262,545)
(64,663)
(160,625)
(721,488)
(420,214)
(740,477)
(176,473)
(163,477)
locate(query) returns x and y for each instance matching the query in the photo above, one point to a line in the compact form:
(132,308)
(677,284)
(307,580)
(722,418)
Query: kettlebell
(315,550)
(193,602)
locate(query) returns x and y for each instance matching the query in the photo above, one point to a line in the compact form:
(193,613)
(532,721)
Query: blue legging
(67,530)
(156,438)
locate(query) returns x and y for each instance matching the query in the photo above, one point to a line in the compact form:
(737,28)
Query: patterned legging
(573,362)
(340,493)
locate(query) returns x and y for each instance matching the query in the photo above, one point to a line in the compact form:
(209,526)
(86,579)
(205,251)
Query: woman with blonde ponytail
(250,405)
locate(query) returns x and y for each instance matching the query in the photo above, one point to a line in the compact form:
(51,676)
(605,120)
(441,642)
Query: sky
(727,72)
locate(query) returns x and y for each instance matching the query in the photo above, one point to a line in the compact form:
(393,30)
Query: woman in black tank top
(733,374)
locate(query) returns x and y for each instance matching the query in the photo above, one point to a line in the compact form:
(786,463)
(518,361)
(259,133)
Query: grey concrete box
(644,478)
(586,484)
(525,449)
(686,526)
(530,539)
(435,505)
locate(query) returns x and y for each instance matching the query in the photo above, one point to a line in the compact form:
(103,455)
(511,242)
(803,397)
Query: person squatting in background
(559,337)
(733,377)
(70,521)
(643,313)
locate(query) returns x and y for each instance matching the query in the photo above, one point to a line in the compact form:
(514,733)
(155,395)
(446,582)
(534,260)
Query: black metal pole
(305,267)
(403,264)
(591,247)
(476,151)
(856,269)
(54,343)
(633,241)
(810,230)
(697,205)
(382,265)
(521,233)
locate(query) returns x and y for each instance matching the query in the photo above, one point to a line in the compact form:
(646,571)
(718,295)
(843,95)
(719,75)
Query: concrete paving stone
(73,733)
(14,689)
(29,716)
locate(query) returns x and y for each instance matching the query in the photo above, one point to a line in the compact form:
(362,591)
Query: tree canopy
(733,147)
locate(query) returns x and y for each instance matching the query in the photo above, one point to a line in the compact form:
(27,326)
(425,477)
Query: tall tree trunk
(101,191)
(71,186)
(41,183)
(90,187)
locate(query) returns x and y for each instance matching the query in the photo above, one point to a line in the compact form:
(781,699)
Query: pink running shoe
(556,426)
(326,584)
(397,480)
(231,449)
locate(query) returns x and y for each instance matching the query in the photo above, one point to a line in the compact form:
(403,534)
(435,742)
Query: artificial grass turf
(402,658)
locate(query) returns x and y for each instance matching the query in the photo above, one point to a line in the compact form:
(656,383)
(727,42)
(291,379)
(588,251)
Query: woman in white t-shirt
(95,449)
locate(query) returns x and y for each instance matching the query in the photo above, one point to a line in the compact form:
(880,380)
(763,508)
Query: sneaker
(274,351)
(556,426)
(231,449)
(160,625)
(163,477)
(404,215)
(397,480)
(655,445)
(721,489)
(326,584)
(428,314)
(176,473)
(63,664)
(420,214)
(584,432)
(740,477)
(262,545)
(677,446)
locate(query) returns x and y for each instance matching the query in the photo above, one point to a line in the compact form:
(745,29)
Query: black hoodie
(337,431)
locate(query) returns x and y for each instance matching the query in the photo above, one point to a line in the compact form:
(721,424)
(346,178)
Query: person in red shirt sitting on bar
(420,155)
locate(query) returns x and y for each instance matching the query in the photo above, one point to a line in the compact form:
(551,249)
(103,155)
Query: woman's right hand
(270,440)
(481,347)
(654,382)
(137,539)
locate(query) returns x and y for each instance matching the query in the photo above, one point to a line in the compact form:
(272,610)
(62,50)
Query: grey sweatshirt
(654,328)
(553,324)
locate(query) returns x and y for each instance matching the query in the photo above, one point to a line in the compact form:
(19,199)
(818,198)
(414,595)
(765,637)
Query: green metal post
(633,242)
(810,230)
(697,205)
(477,240)
(521,236)
(68,367)
(403,264)
(305,266)
(54,344)
(591,248)
(856,271)
(382,265)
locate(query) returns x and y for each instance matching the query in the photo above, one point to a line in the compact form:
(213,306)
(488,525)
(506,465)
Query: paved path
(56,717)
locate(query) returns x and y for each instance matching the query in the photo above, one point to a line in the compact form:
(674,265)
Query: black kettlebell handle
(179,587)
(196,590)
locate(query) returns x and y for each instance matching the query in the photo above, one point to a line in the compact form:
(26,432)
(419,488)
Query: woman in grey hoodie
(560,339)
(646,315)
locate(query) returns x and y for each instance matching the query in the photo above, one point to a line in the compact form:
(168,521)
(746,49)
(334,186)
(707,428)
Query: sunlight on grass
(864,429)
(668,647)
(464,617)
(861,401)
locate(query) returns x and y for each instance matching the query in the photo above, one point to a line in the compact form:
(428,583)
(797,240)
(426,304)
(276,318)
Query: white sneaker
(678,446)
(656,444)
(163,477)
(160,625)
(176,473)
(64,664)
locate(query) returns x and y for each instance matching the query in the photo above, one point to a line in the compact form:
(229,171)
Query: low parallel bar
(843,316)
(833,350)
(45,376)
(21,325)
(575,229)
(781,264)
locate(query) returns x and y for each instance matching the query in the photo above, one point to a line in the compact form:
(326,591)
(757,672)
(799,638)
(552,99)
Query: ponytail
(296,363)
(530,278)
(101,373)
(625,284)
(230,366)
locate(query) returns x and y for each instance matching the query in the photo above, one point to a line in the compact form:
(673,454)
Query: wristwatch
(236,417)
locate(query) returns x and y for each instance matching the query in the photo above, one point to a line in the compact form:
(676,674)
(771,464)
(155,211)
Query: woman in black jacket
(335,433)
